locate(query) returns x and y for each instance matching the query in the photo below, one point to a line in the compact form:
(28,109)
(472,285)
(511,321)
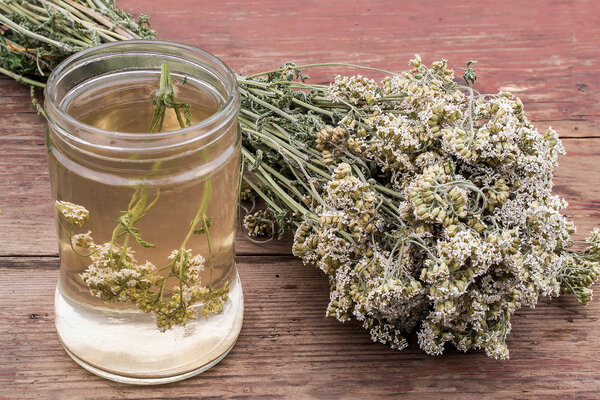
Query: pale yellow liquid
(125,105)
(128,108)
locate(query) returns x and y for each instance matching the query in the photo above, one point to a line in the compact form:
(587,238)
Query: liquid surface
(123,103)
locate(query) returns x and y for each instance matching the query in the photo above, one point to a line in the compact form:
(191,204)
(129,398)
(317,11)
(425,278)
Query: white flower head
(72,213)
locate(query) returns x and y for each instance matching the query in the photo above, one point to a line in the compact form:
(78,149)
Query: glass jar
(148,290)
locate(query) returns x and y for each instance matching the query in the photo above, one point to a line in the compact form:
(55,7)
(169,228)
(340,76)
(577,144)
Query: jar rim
(78,59)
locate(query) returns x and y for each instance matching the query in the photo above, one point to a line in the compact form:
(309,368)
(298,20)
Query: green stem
(332,64)
(262,195)
(269,106)
(383,189)
(160,108)
(22,79)
(210,259)
(34,35)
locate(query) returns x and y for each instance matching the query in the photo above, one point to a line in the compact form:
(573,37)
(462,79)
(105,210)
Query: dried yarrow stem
(116,276)
(429,205)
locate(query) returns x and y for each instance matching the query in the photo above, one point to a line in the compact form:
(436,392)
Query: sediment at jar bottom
(124,345)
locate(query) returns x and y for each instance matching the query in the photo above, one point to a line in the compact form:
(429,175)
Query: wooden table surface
(547,52)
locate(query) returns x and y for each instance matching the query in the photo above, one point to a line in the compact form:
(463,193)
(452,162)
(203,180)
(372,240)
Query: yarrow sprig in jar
(144,154)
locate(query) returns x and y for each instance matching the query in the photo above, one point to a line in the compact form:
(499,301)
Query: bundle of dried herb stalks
(427,204)
(37,35)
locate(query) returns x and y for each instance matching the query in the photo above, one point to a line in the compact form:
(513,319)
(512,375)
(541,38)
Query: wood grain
(287,348)
(545,51)
(27,208)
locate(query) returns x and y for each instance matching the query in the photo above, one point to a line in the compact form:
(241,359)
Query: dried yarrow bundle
(428,204)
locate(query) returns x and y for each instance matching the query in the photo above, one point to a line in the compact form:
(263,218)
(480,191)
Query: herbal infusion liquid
(144,154)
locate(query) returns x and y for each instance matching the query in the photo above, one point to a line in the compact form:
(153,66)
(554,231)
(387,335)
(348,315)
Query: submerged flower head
(84,240)
(72,213)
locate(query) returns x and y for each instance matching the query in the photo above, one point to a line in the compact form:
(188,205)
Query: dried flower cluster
(114,274)
(72,213)
(427,204)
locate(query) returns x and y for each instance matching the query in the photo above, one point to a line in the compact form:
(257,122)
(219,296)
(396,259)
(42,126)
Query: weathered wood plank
(27,225)
(546,52)
(288,349)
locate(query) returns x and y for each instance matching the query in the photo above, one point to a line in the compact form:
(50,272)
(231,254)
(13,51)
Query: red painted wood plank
(289,349)
(545,51)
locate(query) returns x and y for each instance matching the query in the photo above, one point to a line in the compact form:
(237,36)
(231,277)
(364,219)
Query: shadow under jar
(148,290)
